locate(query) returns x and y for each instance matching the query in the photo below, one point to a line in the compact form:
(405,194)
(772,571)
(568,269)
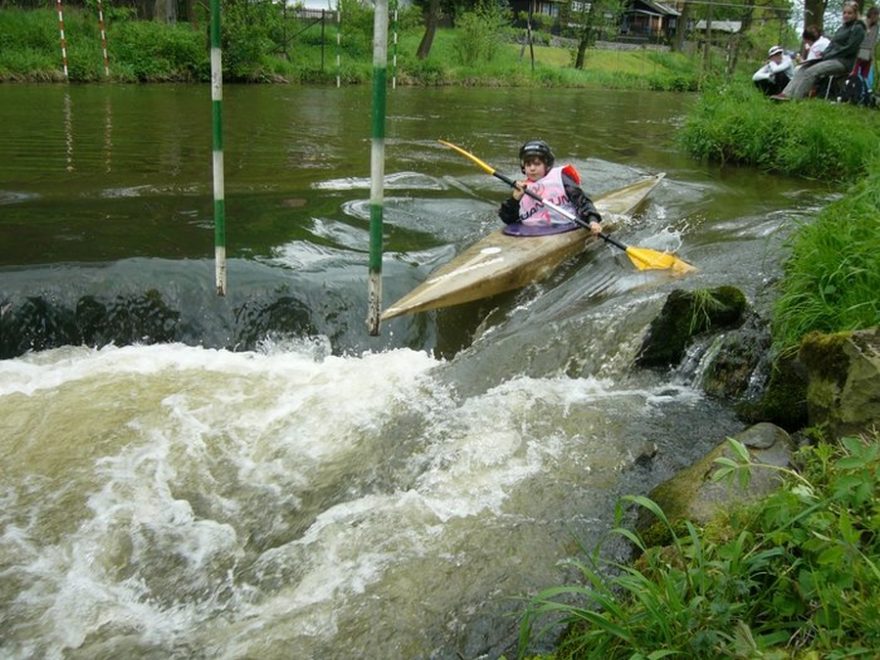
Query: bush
(153,51)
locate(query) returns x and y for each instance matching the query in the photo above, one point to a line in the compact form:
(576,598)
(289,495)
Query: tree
(432,19)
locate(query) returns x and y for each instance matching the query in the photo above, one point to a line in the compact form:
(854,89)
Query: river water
(254,476)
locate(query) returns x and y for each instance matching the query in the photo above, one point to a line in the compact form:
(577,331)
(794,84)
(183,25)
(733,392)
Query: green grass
(150,51)
(794,576)
(815,139)
(832,277)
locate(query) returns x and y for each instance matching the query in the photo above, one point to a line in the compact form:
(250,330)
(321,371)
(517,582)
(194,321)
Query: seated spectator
(814,44)
(838,58)
(866,50)
(775,74)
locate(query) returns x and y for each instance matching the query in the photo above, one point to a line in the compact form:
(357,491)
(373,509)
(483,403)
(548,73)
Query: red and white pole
(63,40)
(103,38)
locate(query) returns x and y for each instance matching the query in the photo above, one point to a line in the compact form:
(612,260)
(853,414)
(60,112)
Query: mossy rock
(843,386)
(685,315)
(691,495)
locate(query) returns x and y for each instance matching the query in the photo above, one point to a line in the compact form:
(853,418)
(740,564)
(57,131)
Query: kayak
(502,262)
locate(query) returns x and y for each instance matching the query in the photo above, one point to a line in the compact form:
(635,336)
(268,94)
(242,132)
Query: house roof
(730,27)
(652,7)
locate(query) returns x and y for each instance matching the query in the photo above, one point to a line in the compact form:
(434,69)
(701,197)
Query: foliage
(480,33)
(734,123)
(144,50)
(832,277)
(795,575)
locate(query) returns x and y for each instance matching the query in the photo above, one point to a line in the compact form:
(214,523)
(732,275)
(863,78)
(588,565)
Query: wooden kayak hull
(499,263)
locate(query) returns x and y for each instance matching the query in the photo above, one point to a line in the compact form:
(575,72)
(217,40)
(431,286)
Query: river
(186,475)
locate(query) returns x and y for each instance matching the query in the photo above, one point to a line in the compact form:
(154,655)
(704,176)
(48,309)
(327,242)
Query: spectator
(815,44)
(838,58)
(776,73)
(866,50)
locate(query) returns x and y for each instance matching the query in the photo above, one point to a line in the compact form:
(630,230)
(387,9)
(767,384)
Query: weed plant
(795,575)
(832,277)
(735,123)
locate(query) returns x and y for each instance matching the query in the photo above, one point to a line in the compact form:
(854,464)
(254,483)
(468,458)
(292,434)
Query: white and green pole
(377,162)
(217,122)
(394,44)
(338,43)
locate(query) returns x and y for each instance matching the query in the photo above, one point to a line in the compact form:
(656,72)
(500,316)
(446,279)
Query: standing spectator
(838,58)
(866,51)
(776,73)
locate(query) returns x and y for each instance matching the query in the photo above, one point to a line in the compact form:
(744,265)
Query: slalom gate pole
(217,125)
(103,38)
(377,162)
(63,40)
(338,42)
(394,45)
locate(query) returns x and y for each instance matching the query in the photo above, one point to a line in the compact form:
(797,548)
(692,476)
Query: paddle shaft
(558,209)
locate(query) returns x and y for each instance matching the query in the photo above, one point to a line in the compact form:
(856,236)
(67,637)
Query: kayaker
(838,58)
(776,72)
(559,185)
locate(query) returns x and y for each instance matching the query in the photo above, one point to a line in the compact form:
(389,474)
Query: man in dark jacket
(837,59)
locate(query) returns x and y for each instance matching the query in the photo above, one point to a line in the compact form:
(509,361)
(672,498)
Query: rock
(784,400)
(729,374)
(843,389)
(685,315)
(692,495)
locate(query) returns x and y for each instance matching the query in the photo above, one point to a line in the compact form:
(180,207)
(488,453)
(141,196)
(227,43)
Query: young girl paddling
(557,185)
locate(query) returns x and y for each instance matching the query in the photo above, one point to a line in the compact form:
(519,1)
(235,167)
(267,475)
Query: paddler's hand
(519,189)
(594,220)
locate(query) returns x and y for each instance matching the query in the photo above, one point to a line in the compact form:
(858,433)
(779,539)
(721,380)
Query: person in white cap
(776,73)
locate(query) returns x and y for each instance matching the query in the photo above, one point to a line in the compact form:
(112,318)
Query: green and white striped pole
(394,44)
(338,42)
(377,162)
(217,121)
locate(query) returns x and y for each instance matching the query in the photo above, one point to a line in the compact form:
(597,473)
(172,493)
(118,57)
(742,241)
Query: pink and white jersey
(550,188)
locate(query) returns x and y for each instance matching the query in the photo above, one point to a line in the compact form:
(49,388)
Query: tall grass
(832,278)
(794,576)
(734,123)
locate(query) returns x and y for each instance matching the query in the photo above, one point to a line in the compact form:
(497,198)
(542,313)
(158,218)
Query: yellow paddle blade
(645,259)
(468,154)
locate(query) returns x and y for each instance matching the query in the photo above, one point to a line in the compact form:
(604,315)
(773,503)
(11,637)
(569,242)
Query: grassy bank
(795,576)
(290,50)
(833,275)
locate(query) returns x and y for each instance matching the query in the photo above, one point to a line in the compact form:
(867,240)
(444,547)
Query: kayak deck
(499,263)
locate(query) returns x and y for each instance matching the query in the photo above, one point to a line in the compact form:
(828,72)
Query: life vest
(550,188)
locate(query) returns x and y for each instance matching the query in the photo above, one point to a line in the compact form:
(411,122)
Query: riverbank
(792,573)
(307,52)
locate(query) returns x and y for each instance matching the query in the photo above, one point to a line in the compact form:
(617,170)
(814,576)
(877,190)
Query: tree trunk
(814,13)
(165,11)
(746,19)
(681,28)
(432,18)
(586,35)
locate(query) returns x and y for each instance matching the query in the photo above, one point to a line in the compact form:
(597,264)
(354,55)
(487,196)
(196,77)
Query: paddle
(641,258)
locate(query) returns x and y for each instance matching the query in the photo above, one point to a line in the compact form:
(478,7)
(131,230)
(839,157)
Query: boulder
(685,315)
(843,380)
(692,495)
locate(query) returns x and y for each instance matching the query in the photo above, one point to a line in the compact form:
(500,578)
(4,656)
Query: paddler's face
(534,168)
